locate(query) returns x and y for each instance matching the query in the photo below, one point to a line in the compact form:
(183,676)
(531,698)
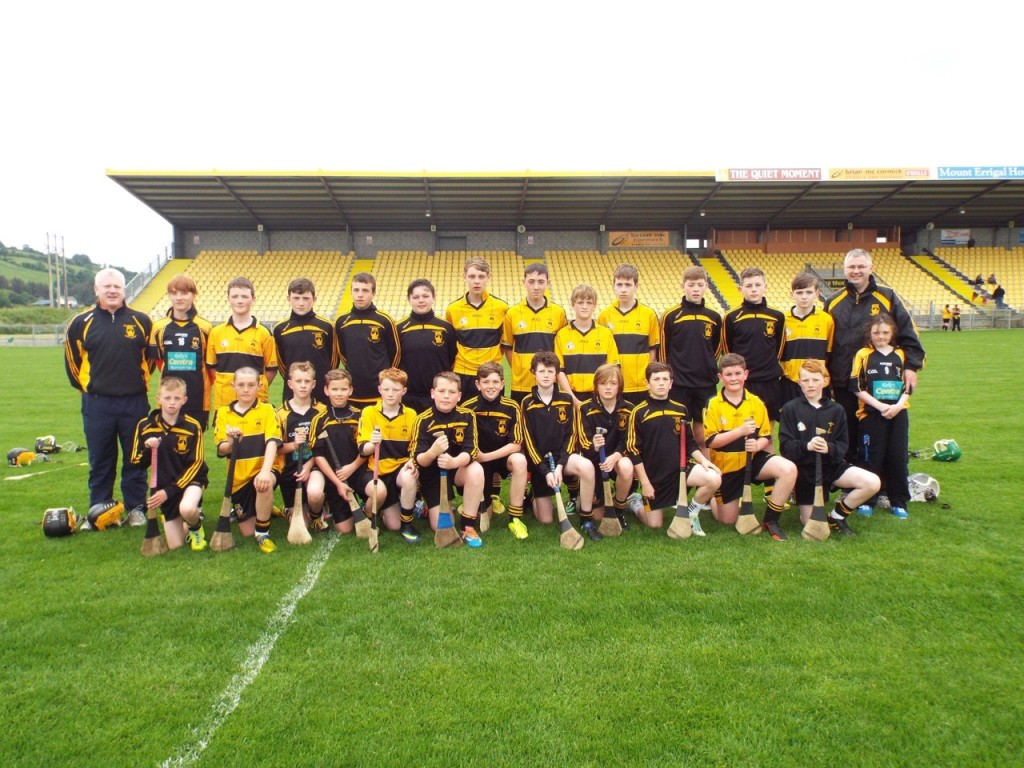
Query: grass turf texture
(902,646)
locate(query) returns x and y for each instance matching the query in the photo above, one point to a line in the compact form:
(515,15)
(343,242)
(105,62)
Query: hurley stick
(747,522)
(373,541)
(222,539)
(682,526)
(569,537)
(446,535)
(610,523)
(362,525)
(153,544)
(297,531)
(817,528)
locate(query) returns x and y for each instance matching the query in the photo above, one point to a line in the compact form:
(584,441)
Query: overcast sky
(447,86)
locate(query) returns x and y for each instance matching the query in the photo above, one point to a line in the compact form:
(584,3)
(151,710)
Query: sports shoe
(773,527)
(622,520)
(571,506)
(137,517)
(276,511)
(865,509)
(635,503)
(266,545)
(695,522)
(840,526)
(409,533)
(590,528)
(197,540)
(518,528)
(497,508)
(419,511)
(318,525)
(472,538)
(900,513)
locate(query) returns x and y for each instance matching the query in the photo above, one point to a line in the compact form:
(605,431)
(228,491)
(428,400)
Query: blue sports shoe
(865,509)
(900,513)
(472,538)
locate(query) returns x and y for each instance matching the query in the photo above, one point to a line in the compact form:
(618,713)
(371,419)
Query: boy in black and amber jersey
(604,420)
(295,417)
(427,344)
(478,319)
(241,342)
(181,467)
(809,333)
(367,340)
(636,331)
(530,327)
(305,336)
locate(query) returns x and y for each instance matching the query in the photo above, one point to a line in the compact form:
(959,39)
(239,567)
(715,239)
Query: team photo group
(382,422)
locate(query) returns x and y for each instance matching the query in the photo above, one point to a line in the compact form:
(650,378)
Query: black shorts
(244,498)
(804,491)
(770,392)
(340,509)
(169,509)
(430,485)
(732,482)
(539,482)
(497,467)
(390,481)
(694,398)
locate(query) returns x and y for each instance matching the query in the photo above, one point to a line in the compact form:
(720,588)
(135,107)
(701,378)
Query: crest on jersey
(502,427)
(623,418)
(460,435)
(129,331)
(678,424)
(769,328)
(875,309)
(707,330)
(318,340)
(562,416)
(195,342)
(438,338)
(374,333)
(182,446)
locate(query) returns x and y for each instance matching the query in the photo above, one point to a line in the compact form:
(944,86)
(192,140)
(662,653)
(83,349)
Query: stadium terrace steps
(154,294)
(1006,264)
(722,282)
(944,276)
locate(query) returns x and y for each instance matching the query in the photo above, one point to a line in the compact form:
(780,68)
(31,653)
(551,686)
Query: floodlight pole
(64,258)
(49,270)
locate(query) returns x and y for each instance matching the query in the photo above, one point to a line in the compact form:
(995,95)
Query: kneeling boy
(250,429)
(181,466)
(737,430)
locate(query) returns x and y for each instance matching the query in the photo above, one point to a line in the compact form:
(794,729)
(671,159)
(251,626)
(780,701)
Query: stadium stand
(1006,265)
(270,274)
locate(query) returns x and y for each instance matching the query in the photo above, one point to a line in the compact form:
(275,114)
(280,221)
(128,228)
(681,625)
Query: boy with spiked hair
(240,342)
(738,430)
(367,340)
(305,336)
(295,417)
(691,339)
(808,333)
(181,465)
(248,429)
(530,327)
(636,331)
(500,433)
(445,438)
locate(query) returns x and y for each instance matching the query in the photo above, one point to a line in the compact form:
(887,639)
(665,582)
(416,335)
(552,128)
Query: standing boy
(427,344)
(249,428)
(691,338)
(387,426)
(241,342)
(295,416)
(530,327)
(813,424)
(367,340)
(636,331)
(756,332)
(338,424)
(738,430)
(808,334)
(653,443)
(583,346)
(478,319)
(444,438)
(550,426)
(181,465)
(500,448)
(305,336)
(178,344)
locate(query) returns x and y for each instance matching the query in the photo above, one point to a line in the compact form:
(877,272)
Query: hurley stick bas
(610,523)
(222,539)
(298,533)
(569,538)
(681,526)
(153,544)
(817,528)
(747,521)
(362,525)
(446,535)
(373,537)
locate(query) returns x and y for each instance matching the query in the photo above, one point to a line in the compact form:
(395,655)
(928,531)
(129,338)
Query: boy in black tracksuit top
(427,345)
(367,341)
(305,336)
(811,425)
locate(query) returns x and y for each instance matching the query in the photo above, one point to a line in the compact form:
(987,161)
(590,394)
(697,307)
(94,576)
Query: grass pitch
(901,647)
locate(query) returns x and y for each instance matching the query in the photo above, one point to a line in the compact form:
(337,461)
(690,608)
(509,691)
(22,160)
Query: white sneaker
(137,517)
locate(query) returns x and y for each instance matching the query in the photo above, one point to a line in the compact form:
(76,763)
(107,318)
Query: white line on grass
(255,657)
(45,471)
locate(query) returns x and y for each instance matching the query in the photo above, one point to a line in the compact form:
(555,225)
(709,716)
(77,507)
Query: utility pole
(64,258)
(49,269)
